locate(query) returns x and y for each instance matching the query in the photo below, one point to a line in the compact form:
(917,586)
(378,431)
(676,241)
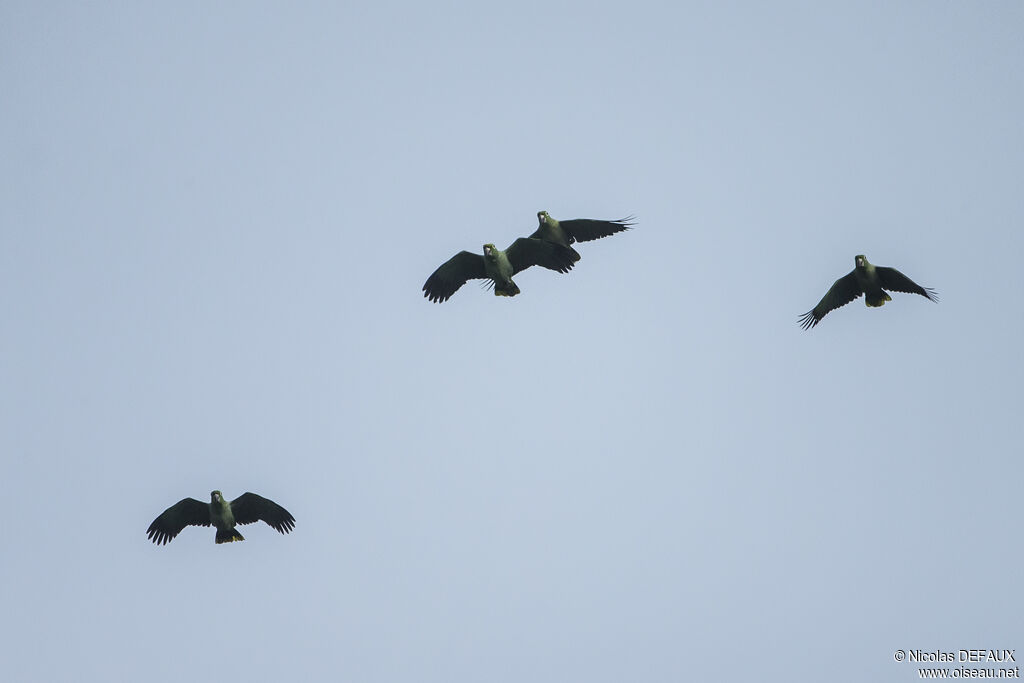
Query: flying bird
(245,509)
(577,229)
(866,279)
(498,267)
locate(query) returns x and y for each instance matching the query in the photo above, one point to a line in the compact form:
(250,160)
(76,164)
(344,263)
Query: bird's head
(216,497)
(860,260)
(489,250)
(543,217)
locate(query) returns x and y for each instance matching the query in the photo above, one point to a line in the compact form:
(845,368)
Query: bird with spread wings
(869,280)
(246,509)
(498,267)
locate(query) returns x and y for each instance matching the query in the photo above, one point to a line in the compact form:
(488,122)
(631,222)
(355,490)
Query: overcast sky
(215,221)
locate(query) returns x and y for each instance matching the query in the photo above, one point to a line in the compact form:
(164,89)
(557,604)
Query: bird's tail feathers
(228,536)
(511,289)
(876,302)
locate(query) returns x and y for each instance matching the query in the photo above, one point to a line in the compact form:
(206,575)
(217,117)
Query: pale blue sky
(214,225)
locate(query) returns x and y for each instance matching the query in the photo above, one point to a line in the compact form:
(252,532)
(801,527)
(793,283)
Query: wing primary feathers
(249,508)
(807,320)
(452,274)
(843,291)
(588,229)
(186,512)
(894,280)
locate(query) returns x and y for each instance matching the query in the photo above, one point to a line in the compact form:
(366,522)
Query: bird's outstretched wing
(529,251)
(249,508)
(452,274)
(587,229)
(186,512)
(894,280)
(843,291)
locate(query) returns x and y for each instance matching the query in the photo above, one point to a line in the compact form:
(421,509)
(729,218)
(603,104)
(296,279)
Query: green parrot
(866,279)
(245,509)
(498,267)
(578,229)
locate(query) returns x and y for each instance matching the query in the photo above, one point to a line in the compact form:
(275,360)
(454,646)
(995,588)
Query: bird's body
(576,230)
(497,266)
(866,279)
(223,520)
(222,515)
(499,269)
